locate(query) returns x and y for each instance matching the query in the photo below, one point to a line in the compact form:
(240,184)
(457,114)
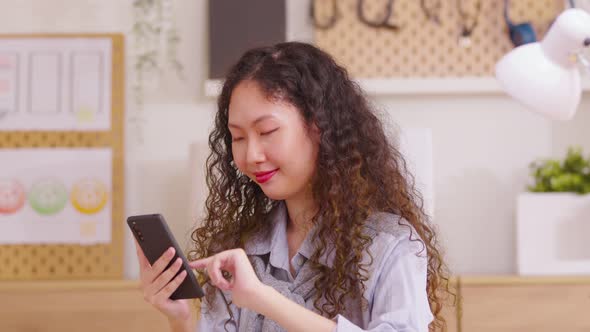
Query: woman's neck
(301,210)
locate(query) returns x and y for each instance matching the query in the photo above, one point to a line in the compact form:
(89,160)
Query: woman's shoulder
(390,225)
(391,233)
(393,238)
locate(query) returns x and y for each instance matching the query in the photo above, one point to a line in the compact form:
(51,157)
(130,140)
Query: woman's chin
(275,195)
(274,191)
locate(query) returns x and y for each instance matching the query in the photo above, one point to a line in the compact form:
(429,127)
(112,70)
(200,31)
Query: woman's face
(270,142)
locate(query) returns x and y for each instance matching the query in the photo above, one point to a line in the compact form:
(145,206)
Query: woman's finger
(214,271)
(161,264)
(165,277)
(200,263)
(165,292)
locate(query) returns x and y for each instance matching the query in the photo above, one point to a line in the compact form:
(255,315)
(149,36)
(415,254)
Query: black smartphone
(154,238)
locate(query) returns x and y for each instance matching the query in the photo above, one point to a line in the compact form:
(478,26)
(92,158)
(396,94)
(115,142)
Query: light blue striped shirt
(396,288)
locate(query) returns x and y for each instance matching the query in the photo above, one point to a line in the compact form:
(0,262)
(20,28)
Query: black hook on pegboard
(330,22)
(381,24)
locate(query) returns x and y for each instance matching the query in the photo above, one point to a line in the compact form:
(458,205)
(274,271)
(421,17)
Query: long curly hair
(358,172)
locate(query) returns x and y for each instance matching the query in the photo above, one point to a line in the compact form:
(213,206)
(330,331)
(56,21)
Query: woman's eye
(269,132)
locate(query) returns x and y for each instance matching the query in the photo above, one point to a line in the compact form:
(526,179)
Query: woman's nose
(254,152)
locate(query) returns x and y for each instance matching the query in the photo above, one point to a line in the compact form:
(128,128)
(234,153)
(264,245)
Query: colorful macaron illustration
(12,196)
(48,196)
(89,196)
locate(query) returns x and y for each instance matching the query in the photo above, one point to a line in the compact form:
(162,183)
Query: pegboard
(61,261)
(421,48)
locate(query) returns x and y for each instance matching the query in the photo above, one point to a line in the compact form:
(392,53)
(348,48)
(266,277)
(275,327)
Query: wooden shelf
(68,306)
(510,280)
(487,303)
(47,285)
(514,304)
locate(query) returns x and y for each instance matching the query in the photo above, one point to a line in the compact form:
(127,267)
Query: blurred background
(428,67)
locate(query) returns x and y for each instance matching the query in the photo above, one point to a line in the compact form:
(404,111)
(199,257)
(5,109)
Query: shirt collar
(275,241)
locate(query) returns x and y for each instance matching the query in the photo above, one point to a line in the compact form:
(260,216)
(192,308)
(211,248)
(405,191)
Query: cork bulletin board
(61,261)
(422,48)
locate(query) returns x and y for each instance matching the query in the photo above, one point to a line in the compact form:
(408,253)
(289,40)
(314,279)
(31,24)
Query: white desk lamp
(545,76)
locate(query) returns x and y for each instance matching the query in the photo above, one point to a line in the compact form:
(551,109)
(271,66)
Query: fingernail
(178,261)
(170,251)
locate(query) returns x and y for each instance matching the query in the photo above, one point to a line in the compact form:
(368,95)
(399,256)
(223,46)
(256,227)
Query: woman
(313,222)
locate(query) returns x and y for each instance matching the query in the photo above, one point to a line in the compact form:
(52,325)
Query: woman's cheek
(275,156)
(239,159)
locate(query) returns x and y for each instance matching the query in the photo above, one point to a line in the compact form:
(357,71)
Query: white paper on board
(55,84)
(55,196)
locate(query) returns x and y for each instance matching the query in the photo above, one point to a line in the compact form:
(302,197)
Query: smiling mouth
(263,177)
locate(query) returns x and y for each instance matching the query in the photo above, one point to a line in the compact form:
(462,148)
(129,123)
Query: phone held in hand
(154,238)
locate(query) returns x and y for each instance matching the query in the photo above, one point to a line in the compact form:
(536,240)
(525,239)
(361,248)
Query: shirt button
(300,260)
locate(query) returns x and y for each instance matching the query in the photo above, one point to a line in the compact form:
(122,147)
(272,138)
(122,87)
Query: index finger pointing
(199,263)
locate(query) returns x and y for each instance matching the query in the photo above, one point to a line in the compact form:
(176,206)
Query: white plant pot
(553,234)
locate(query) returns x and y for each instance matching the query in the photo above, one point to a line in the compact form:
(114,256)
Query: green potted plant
(553,217)
(569,175)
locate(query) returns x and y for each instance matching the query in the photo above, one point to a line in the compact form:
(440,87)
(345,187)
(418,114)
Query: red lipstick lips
(262,177)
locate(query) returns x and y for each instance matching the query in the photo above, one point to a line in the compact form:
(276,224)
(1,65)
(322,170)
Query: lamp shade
(544,76)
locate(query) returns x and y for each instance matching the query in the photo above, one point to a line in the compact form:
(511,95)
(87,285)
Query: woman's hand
(249,292)
(158,284)
(244,285)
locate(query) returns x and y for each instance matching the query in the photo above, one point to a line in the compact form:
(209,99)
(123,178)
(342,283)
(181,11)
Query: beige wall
(482,144)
